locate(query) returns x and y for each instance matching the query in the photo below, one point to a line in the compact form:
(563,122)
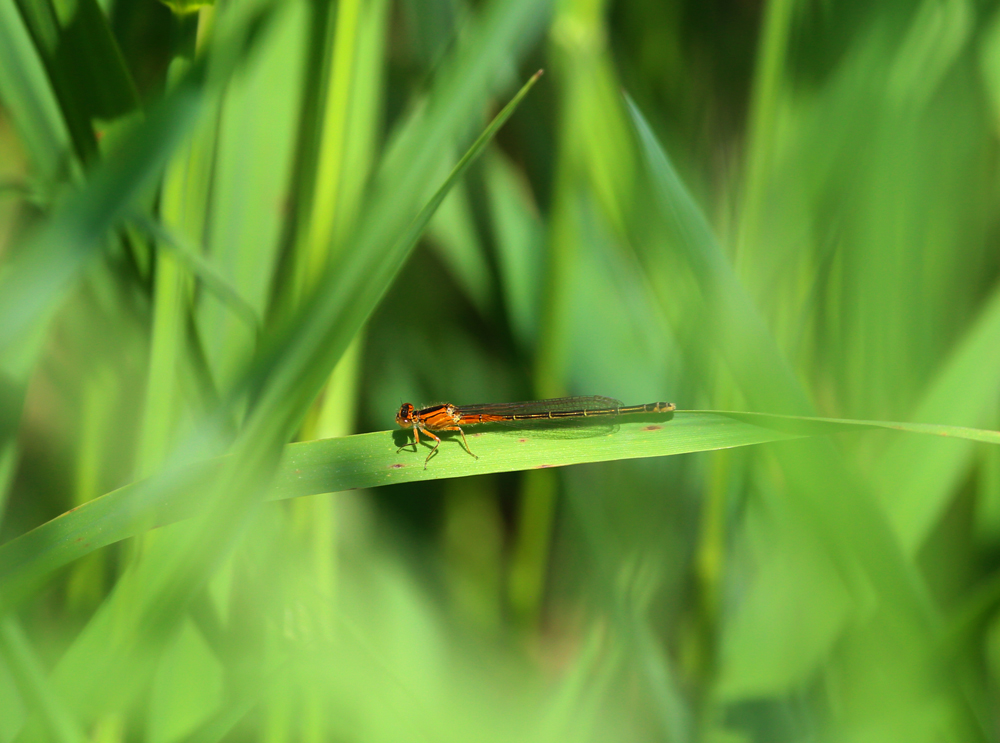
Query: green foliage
(232,234)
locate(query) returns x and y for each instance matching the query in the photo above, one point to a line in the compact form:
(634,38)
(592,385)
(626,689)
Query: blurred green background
(203,250)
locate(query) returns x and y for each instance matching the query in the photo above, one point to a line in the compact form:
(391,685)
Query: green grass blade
(419,224)
(805,426)
(370,460)
(326,324)
(352,462)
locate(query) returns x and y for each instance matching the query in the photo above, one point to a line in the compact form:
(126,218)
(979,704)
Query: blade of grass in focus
(371,460)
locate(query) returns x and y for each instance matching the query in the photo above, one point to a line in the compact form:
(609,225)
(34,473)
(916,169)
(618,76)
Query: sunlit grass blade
(352,462)
(370,460)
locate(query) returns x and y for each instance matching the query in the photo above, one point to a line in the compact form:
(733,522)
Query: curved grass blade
(370,460)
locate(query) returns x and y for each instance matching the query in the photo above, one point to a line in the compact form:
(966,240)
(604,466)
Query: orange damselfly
(448,417)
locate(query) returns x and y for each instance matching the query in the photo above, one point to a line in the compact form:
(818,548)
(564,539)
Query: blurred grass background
(202,251)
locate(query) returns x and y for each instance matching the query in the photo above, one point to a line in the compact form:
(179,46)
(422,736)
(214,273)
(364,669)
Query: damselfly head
(404,417)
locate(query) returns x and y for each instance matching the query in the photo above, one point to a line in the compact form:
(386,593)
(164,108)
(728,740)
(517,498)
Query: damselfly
(448,417)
